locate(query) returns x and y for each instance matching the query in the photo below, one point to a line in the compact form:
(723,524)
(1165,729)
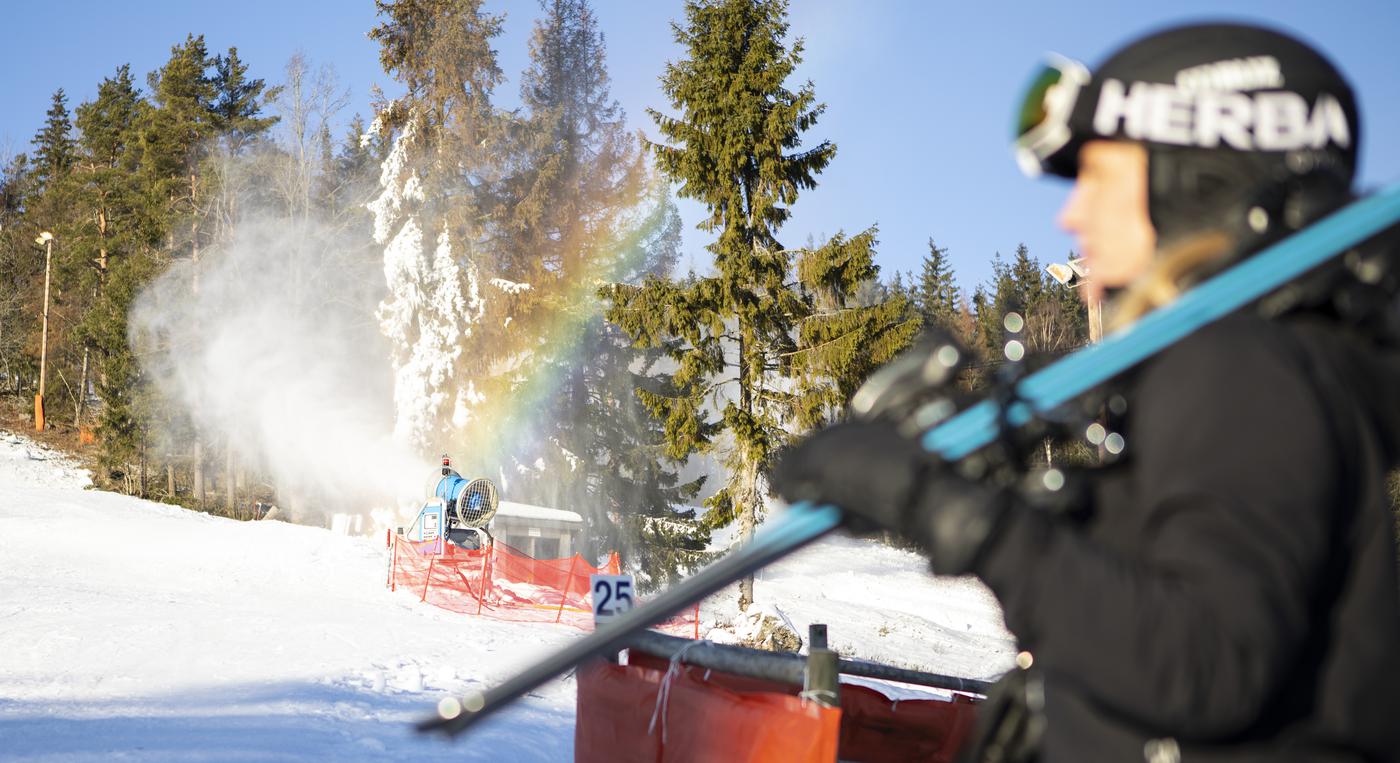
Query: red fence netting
(636,714)
(504,583)
(651,710)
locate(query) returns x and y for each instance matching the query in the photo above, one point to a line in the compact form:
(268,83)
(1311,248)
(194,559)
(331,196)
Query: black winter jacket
(1233,593)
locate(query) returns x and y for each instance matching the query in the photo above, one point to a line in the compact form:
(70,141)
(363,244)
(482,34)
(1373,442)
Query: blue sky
(919,94)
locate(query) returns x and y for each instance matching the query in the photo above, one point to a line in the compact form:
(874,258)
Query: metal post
(786,668)
(485,574)
(821,680)
(427,579)
(564,596)
(393,563)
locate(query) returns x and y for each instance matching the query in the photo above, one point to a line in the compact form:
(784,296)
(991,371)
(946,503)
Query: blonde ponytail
(1173,270)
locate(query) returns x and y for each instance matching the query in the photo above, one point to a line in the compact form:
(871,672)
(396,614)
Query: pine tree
(735,148)
(175,134)
(637,499)
(53,144)
(937,294)
(446,332)
(239,101)
(116,222)
(51,207)
(841,342)
(900,288)
(579,165)
(19,271)
(186,165)
(1028,279)
(990,303)
(352,172)
(569,204)
(1055,320)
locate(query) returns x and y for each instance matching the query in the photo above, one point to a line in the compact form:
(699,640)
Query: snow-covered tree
(427,216)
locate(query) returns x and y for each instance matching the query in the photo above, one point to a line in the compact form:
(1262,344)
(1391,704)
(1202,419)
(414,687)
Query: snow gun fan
(468,506)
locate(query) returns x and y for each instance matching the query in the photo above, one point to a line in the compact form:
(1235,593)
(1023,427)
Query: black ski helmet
(1247,130)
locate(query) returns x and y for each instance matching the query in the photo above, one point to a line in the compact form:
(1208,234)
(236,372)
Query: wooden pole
(44,340)
(1095,306)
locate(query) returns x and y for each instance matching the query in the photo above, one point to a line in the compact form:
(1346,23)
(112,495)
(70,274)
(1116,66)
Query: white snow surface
(140,631)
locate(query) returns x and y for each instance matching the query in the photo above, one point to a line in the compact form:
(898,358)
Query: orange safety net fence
(654,711)
(643,714)
(505,583)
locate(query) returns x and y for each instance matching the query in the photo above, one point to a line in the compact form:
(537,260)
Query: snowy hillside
(135,629)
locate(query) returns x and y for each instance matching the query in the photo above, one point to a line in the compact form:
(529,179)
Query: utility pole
(1095,306)
(1075,274)
(45,240)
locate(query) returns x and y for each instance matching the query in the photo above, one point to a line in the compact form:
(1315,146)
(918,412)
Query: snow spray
(269,343)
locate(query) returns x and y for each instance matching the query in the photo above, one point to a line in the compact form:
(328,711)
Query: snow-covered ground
(140,631)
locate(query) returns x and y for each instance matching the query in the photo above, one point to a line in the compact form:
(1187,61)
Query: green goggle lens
(1033,108)
(1043,121)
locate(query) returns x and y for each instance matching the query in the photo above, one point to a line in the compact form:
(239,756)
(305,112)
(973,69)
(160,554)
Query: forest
(501,283)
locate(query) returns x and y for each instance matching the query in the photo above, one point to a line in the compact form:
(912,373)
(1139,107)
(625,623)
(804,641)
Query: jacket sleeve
(1236,470)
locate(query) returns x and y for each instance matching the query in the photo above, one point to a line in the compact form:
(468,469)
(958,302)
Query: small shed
(539,531)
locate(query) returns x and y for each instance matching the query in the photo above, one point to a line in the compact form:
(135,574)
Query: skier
(1227,589)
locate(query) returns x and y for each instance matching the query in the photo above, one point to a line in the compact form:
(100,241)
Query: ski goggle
(1042,124)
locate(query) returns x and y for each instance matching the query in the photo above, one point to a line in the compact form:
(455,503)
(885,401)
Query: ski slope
(141,631)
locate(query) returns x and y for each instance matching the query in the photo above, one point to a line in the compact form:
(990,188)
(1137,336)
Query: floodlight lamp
(1063,274)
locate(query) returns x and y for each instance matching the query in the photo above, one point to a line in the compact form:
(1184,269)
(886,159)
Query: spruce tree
(53,144)
(175,134)
(52,207)
(735,148)
(116,224)
(937,294)
(840,341)
(20,271)
(567,209)
(637,503)
(1055,320)
(239,101)
(445,318)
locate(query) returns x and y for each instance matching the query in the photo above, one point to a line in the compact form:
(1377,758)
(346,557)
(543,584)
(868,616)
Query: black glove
(882,479)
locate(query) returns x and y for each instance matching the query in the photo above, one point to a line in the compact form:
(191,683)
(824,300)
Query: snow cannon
(469,504)
(458,512)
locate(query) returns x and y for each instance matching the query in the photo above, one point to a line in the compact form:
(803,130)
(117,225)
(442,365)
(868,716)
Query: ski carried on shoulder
(966,432)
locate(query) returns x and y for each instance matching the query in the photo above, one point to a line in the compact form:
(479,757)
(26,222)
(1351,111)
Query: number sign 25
(612,596)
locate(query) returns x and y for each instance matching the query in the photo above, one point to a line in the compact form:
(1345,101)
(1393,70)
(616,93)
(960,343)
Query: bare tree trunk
(230,486)
(82,390)
(198,471)
(744,497)
(198,466)
(746,527)
(170,479)
(141,455)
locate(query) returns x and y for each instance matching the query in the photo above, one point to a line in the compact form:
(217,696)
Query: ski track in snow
(132,630)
